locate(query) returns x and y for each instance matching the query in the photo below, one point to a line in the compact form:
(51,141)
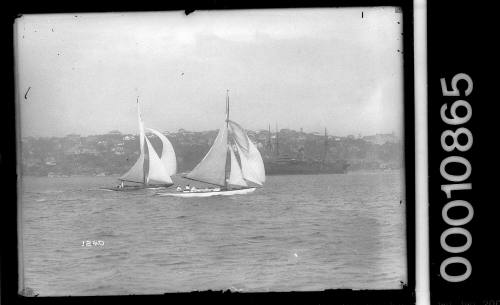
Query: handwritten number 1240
(92,243)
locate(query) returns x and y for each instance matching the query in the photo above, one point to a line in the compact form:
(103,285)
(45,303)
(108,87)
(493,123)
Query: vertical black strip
(459,41)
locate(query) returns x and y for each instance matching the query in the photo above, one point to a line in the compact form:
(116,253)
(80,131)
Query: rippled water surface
(297,233)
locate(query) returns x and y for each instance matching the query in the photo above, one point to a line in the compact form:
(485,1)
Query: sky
(297,68)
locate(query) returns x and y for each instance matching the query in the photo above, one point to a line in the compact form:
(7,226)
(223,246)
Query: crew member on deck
(187,188)
(179,188)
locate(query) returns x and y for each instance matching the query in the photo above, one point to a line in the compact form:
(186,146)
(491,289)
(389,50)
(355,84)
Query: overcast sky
(299,68)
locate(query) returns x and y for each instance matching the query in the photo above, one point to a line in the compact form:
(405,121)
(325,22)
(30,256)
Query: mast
(227,140)
(141,142)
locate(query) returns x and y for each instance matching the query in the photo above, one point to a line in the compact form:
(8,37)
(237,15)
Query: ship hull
(209,194)
(130,188)
(304,168)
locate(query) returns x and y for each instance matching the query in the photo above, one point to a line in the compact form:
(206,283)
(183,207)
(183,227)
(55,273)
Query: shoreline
(360,171)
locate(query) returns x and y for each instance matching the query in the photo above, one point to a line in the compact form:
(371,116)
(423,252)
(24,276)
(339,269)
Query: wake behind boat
(150,171)
(235,174)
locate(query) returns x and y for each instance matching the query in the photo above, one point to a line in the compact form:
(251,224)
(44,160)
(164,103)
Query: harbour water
(311,232)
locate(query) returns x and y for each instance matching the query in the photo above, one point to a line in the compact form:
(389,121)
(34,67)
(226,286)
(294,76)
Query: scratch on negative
(26,94)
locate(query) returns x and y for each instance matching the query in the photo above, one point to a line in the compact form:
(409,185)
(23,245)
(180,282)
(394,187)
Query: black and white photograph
(250,150)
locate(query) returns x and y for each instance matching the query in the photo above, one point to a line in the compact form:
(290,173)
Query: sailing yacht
(150,170)
(233,164)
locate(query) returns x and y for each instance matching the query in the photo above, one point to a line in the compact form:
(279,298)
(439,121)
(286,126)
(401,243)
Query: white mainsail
(235,176)
(167,154)
(156,170)
(251,160)
(136,173)
(212,169)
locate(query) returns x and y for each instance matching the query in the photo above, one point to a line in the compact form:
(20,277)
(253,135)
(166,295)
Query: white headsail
(235,176)
(251,160)
(157,174)
(167,153)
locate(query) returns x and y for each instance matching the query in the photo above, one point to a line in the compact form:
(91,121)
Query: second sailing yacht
(150,170)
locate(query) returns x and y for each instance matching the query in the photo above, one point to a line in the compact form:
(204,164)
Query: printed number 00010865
(456,224)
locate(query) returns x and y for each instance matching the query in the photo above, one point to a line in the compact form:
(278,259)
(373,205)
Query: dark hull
(304,168)
(129,188)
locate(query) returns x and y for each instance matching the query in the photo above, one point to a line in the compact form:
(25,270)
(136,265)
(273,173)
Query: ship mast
(277,146)
(269,144)
(326,147)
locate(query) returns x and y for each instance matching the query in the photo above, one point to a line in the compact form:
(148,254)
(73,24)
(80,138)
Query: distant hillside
(114,153)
